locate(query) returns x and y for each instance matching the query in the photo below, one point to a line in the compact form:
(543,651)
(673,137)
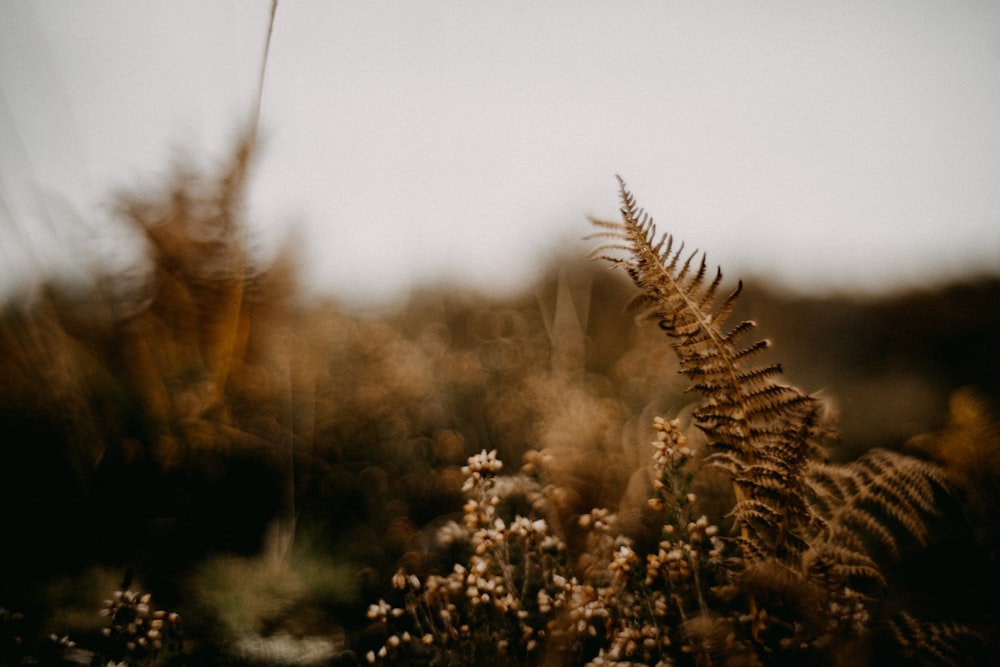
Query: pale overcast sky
(836,145)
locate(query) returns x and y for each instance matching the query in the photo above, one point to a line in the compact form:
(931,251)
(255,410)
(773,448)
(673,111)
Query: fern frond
(753,421)
(839,564)
(867,496)
(802,525)
(935,644)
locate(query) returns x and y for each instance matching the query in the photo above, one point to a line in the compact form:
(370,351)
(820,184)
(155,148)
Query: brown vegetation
(197,419)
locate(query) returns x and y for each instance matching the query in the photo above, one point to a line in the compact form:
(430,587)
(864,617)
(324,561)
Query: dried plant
(522,594)
(798,575)
(937,644)
(136,632)
(187,404)
(761,430)
(814,522)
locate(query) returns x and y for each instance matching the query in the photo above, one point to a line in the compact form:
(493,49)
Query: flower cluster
(500,597)
(134,628)
(679,559)
(652,597)
(849,612)
(518,594)
(688,540)
(670,453)
(481,467)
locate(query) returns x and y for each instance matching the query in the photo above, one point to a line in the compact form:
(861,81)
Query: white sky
(836,145)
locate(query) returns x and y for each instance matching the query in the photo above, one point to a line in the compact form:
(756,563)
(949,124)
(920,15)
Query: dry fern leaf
(938,644)
(866,498)
(810,526)
(759,429)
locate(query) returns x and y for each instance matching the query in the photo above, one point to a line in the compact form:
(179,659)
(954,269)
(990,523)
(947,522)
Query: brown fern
(936,644)
(759,429)
(815,528)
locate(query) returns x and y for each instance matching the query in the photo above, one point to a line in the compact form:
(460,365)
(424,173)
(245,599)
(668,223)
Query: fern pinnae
(857,498)
(939,644)
(746,412)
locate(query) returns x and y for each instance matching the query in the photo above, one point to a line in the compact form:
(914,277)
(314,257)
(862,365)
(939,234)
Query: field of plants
(201,464)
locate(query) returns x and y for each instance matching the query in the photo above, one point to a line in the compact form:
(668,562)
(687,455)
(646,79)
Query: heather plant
(522,595)
(136,632)
(493,600)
